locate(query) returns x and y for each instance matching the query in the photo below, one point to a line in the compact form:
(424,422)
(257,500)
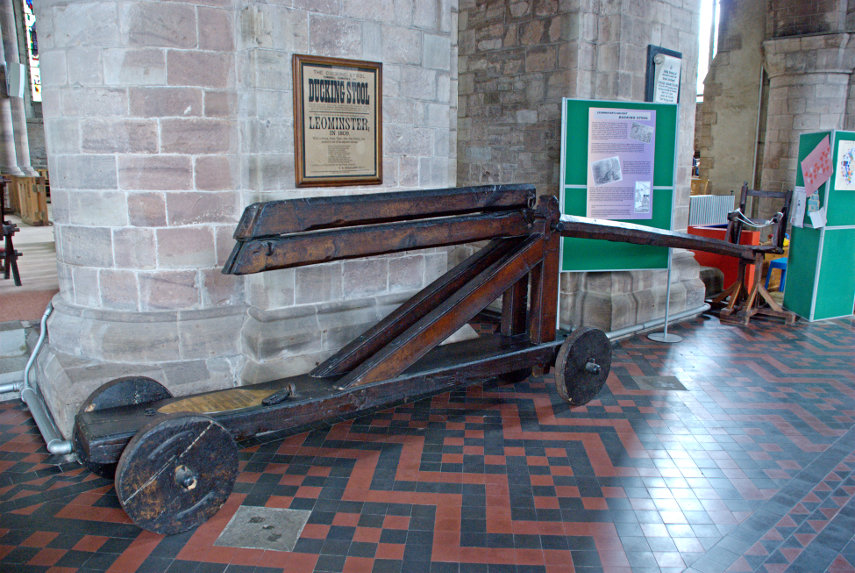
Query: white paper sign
(817,218)
(666,79)
(798,206)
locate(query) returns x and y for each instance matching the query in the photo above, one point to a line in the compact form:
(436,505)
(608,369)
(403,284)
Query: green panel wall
(594,255)
(835,292)
(841,204)
(801,270)
(821,267)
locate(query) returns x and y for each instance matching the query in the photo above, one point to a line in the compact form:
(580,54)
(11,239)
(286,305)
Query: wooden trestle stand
(174,460)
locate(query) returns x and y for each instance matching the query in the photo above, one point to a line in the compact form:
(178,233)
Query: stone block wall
(163,120)
(519,58)
(809,86)
(807,57)
(797,17)
(727,127)
(300,316)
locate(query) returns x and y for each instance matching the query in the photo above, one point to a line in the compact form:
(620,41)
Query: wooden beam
(515,308)
(299,215)
(584,227)
(258,255)
(454,312)
(414,309)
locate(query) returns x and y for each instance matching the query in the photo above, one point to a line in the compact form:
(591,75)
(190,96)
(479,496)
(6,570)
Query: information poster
(621,149)
(846,165)
(580,149)
(337,121)
(817,167)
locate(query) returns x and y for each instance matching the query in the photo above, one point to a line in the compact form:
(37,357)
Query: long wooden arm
(302,249)
(314,213)
(584,227)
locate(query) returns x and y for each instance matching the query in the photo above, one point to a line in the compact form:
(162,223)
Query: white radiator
(709,209)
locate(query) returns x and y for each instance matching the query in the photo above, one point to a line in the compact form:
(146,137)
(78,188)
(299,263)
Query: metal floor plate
(264,528)
(658,383)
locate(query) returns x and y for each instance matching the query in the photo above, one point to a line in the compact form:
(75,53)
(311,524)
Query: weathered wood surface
(176,473)
(257,255)
(400,352)
(584,227)
(299,215)
(105,433)
(413,310)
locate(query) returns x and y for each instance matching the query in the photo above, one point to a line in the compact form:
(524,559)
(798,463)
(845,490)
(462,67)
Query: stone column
(139,113)
(518,59)
(808,91)
(8,155)
(162,121)
(19,116)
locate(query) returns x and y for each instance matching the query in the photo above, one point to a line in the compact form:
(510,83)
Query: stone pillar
(142,138)
(163,120)
(8,155)
(809,80)
(730,113)
(19,117)
(298,317)
(517,60)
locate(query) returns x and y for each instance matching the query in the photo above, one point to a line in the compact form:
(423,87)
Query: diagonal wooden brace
(429,331)
(414,309)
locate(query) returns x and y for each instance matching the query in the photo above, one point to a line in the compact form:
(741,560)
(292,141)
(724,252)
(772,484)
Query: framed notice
(337,121)
(621,145)
(618,161)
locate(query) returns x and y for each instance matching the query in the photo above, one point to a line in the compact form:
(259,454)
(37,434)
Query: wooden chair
(8,254)
(750,301)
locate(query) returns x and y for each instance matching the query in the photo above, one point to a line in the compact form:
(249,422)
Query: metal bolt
(185,477)
(592,367)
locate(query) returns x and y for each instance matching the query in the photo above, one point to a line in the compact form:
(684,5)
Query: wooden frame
(338,127)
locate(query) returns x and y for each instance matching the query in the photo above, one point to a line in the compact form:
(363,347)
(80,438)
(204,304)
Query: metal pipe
(35,402)
(39,342)
(11,387)
(53,440)
(657,322)
(24,382)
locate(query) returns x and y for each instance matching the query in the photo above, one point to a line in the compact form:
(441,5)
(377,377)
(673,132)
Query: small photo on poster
(607,170)
(641,132)
(642,196)
(845,165)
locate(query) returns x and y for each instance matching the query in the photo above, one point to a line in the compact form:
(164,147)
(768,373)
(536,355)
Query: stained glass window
(32,50)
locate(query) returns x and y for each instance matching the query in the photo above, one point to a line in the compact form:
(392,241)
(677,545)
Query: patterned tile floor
(751,468)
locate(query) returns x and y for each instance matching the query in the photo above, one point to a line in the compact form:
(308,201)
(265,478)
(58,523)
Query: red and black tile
(750,468)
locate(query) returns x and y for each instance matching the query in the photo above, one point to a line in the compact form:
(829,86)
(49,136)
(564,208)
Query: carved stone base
(187,351)
(193,351)
(614,301)
(288,341)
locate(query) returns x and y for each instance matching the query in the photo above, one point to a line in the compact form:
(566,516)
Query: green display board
(597,255)
(821,263)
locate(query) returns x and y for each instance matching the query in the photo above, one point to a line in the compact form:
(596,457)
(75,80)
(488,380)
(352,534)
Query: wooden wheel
(583,365)
(125,391)
(176,472)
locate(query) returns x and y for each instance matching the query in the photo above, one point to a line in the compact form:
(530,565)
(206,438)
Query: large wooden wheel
(582,365)
(125,391)
(176,472)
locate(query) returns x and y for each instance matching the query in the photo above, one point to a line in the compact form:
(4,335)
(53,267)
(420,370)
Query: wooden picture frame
(338,129)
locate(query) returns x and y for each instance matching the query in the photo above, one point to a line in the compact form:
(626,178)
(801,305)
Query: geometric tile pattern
(752,468)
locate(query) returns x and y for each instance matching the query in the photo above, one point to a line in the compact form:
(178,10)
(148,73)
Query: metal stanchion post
(664,336)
